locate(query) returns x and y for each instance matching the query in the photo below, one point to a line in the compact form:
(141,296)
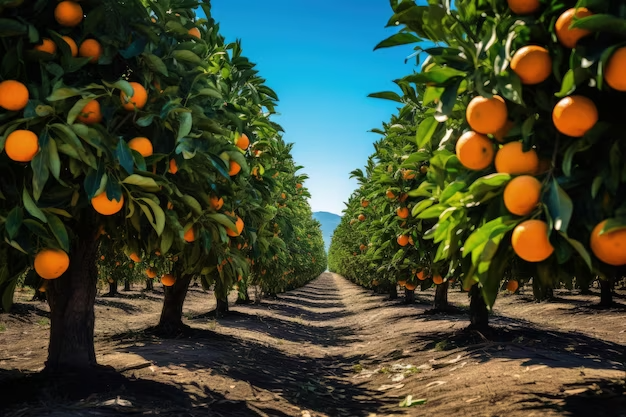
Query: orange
(614,71)
(403,240)
(239,225)
(408,174)
(195,32)
(243,142)
(168,280)
(522,7)
(141,145)
(512,159)
(13,95)
(190,235)
(486,115)
(46,46)
(365,203)
(51,263)
(410,286)
(610,247)
(362,247)
(475,151)
(173,166)
(530,241)
(216,202)
(402,282)
(570,37)
(532,64)
(421,276)
(21,145)
(502,132)
(139,98)
(73,47)
(298,186)
(390,195)
(134,257)
(234,168)
(437,280)
(151,273)
(106,207)
(361,217)
(402,212)
(424,169)
(90,48)
(90,114)
(283,196)
(574,115)
(68,13)
(521,195)
(512,285)
(403,197)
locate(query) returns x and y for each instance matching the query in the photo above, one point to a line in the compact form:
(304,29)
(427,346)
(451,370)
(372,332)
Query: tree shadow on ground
(125,295)
(304,313)
(126,307)
(20,311)
(319,384)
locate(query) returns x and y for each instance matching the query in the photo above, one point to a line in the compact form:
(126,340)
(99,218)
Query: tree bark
(149,284)
(393,292)
(126,285)
(112,290)
(171,321)
(479,315)
(222,307)
(441,296)
(71,298)
(409,296)
(606,295)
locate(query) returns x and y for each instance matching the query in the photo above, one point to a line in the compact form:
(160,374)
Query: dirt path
(334,349)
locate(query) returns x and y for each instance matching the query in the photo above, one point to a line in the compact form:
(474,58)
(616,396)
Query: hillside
(329,222)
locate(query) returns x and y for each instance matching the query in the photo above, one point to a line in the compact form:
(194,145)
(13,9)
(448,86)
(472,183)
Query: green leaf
(76,109)
(63,93)
(167,238)
(10,27)
(580,248)
(572,79)
(402,38)
(605,23)
(559,206)
(387,95)
(39,165)
(432,212)
(122,85)
(124,156)
(187,56)
(58,230)
(410,402)
(185,121)
(31,207)
(14,221)
(425,131)
(193,204)
(158,221)
(146,183)
(210,92)
(223,220)
(54,162)
(93,180)
(9,290)
(155,63)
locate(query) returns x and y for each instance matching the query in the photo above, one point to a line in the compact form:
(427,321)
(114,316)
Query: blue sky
(318,56)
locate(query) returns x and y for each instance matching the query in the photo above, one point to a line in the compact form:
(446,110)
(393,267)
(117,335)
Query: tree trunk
(257,295)
(71,298)
(39,296)
(112,290)
(479,315)
(171,321)
(441,296)
(126,285)
(606,295)
(541,292)
(393,292)
(222,307)
(409,296)
(245,299)
(149,284)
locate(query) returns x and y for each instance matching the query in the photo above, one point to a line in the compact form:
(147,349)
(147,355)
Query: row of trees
(504,161)
(134,134)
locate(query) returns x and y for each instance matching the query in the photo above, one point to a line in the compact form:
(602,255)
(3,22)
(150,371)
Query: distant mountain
(329,222)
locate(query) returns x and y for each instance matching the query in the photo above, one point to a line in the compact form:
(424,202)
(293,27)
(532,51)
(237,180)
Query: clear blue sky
(318,56)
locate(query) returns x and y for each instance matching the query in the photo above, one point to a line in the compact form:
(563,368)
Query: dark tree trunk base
(127,285)
(449,309)
(171,321)
(222,308)
(441,296)
(112,290)
(606,295)
(393,293)
(149,285)
(171,330)
(479,315)
(409,296)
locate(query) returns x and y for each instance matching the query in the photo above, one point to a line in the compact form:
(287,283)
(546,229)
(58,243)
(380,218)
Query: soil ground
(329,349)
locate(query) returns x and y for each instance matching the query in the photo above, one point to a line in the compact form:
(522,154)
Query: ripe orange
(408,174)
(73,47)
(475,151)
(402,212)
(437,279)
(361,217)
(530,241)
(532,64)
(298,186)
(239,225)
(512,285)
(168,280)
(362,247)
(216,202)
(521,195)
(21,145)
(522,7)
(195,32)
(68,14)
(614,71)
(173,166)
(574,115)
(47,45)
(486,115)
(421,276)
(512,159)
(403,197)
(141,145)
(106,207)
(190,235)
(90,48)
(501,133)
(90,114)
(139,98)
(243,142)
(390,195)
(365,203)
(570,37)
(410,286)
(134,257)
(51,263)
(610,248)
(235,168)
(402,282)
(13,95)
(403,240)
(151,273)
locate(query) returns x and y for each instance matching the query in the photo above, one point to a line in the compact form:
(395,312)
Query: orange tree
(529,96)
